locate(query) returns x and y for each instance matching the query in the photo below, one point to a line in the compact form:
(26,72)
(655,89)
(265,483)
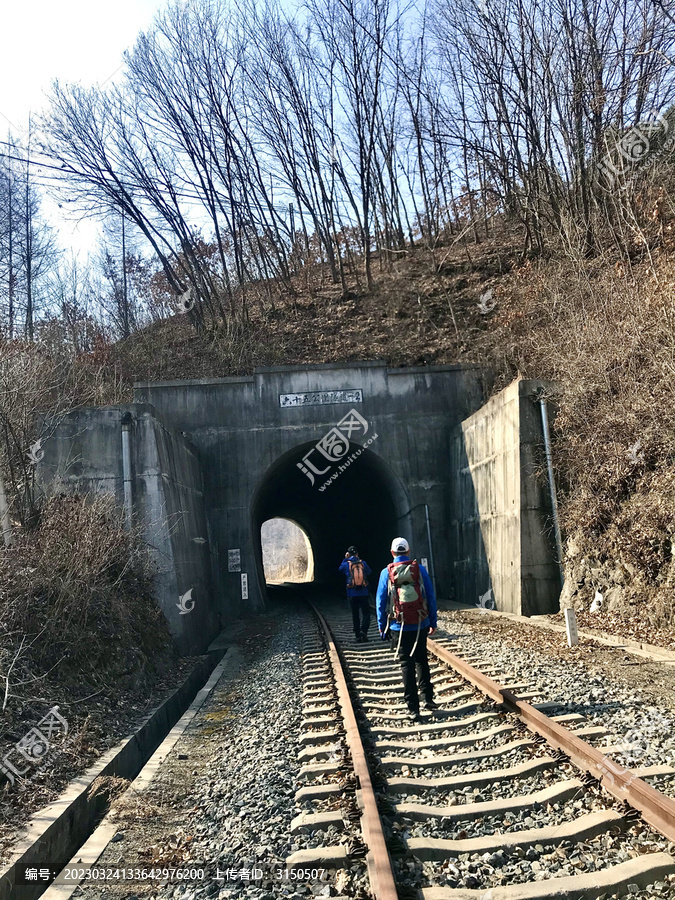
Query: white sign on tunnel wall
(318,398)
(234,560)
(244,586)
(334,447)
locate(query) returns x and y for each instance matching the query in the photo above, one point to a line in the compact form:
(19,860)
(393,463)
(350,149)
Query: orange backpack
(357,577)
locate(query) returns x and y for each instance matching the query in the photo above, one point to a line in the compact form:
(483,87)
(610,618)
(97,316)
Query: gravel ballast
(605,696)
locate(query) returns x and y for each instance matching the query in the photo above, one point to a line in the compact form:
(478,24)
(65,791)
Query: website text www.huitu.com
(348,461)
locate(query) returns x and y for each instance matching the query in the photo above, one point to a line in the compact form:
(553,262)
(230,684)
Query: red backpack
(357,577)
(407,599)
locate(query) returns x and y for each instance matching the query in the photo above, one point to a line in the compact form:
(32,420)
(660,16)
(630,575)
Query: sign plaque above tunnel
(318,398)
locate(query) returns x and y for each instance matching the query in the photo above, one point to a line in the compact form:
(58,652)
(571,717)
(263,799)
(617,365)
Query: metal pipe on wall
(551,484)
(432,567)
(431,552)
(126,469)
(4,516)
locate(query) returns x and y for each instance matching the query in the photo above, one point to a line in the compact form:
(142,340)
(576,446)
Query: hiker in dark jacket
(356,571)
(412,640)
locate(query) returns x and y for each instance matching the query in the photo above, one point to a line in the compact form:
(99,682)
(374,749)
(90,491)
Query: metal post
(551,484)
(4,516)
(432,572)
(126,469)
(431,552)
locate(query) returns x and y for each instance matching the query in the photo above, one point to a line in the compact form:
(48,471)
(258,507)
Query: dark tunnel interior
(365,506)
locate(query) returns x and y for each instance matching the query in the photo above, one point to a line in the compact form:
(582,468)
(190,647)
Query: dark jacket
(344,568)
(382,600)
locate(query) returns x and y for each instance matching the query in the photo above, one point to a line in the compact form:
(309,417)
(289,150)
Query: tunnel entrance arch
(366,506)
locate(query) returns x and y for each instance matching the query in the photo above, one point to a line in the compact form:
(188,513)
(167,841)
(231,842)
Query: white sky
(71,40)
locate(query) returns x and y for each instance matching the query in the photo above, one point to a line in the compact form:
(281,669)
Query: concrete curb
(639,648)
(56,832)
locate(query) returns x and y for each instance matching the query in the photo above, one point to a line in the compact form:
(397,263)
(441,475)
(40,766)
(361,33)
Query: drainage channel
(70,825)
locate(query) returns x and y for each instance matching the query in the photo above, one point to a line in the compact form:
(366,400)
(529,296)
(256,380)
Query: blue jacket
(382,600)
(344,568)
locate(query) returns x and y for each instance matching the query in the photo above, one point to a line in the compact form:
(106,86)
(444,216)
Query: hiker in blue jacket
(412,640)
(356,571)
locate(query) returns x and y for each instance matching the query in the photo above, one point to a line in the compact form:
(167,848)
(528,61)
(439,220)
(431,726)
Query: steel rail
(656,808)
(380,873)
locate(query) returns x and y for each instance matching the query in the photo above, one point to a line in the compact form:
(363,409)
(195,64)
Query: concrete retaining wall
(501,532)
(55,833)
(84,455)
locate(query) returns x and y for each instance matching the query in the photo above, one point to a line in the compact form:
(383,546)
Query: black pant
(418,664)
(360,613)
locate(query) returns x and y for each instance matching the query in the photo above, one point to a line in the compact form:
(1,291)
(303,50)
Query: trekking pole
(400,635)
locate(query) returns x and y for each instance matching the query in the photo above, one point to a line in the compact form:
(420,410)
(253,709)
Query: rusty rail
(656,808)
(378,863)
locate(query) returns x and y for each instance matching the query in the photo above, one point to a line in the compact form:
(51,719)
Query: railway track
(497,795)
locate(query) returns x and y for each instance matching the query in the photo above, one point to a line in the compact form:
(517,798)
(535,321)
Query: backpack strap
(391,595)
(393,567)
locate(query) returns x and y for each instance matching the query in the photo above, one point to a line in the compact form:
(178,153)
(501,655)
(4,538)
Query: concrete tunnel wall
(83,454)
(502,535)
(242,433)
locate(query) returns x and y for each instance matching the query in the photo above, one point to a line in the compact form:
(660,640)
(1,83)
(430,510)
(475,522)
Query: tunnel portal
(200,465)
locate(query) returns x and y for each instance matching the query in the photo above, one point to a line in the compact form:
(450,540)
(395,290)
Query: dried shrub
(76,604)
(34,380)
(604,333)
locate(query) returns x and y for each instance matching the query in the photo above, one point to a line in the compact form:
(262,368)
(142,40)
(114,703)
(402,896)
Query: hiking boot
(358,638)
(430,704)
(364,637)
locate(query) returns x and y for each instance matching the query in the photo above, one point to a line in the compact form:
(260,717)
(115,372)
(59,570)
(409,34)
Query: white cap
(400,545)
